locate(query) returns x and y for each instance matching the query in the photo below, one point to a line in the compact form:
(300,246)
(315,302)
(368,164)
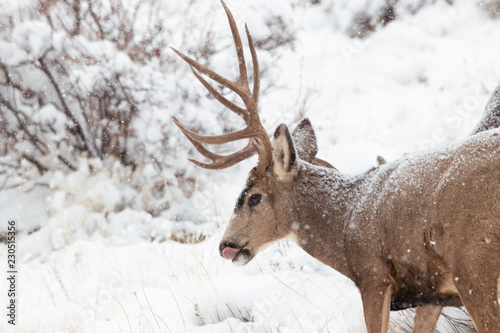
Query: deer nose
(228,250)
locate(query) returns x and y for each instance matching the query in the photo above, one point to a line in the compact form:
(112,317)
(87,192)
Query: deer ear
(305,141)
(284,156)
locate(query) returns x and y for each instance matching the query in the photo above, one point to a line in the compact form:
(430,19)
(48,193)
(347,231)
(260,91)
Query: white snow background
(420,81)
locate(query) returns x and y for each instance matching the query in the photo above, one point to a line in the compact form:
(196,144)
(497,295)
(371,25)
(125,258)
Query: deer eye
(254,200)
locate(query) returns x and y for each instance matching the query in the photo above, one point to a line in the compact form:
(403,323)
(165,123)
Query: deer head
(262,212)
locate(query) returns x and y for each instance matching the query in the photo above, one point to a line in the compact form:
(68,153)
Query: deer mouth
(237,254)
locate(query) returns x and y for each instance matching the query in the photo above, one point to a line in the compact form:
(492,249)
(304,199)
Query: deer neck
(324,209)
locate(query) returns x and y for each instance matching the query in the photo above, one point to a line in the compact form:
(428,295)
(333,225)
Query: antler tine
(238,45)
(218,161)
(255,61)
(224,101)
(208,72)
(222,162)
(245,133)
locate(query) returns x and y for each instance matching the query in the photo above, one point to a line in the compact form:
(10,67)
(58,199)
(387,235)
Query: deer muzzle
(235,253)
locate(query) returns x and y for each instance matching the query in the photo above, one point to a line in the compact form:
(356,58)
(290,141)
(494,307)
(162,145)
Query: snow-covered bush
(71,81)
(74,79)
(491,7)
(360,18)
(96,80)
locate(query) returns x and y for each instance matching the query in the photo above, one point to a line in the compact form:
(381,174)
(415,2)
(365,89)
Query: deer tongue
(229,253)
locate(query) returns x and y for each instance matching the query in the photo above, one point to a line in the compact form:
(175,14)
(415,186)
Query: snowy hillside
(130,243)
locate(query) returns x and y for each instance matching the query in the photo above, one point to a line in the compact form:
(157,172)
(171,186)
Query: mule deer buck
(422,231)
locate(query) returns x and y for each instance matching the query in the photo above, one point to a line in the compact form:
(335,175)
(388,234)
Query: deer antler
(259,141)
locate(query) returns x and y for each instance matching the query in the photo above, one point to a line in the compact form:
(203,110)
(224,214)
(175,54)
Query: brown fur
(422,230)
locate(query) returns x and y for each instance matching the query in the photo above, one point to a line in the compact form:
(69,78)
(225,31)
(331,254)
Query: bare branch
(41,169)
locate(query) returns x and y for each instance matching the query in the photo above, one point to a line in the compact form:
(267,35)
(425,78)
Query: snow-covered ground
(418,82)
